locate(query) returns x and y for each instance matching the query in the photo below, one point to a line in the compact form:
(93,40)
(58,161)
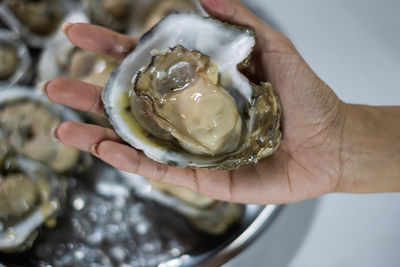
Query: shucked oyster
(35,19)
(27,121)
(90,67)
(14,58)
(180,98)
(62,59)
(30,195)
(178,95)
(40,16)
(9,58)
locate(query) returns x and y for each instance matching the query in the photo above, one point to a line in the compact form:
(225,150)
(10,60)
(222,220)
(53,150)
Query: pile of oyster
(32,163)
(179,97)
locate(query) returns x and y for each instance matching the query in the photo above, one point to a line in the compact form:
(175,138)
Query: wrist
(370,150)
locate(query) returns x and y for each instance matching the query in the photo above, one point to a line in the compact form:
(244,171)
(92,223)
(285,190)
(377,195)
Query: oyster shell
(27,120)
(152,78)
(15,60)
(30,195)
(55,58)
(35,20)
(81,65)
(62,59)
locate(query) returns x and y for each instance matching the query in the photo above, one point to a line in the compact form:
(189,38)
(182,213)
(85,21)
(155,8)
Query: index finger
(99,40)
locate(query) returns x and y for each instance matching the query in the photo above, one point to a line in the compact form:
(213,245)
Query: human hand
(308,162)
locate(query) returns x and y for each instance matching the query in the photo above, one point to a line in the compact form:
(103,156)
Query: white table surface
(354,46)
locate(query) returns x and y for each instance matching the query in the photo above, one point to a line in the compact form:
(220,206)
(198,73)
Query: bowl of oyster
(179,97)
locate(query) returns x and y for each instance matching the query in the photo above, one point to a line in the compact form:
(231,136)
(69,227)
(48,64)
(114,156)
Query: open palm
(308,162)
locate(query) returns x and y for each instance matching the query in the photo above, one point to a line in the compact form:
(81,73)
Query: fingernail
(93,150)
(42,86)
(65,27)
(55,132)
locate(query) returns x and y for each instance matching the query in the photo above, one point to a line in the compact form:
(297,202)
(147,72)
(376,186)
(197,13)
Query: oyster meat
(61,58)
(180,98)
(9,59)
(90,67)
(15,59)
(27,121)
(35,20)
(30,195)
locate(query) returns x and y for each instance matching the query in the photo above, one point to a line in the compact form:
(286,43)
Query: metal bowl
(104,222)
(255,221)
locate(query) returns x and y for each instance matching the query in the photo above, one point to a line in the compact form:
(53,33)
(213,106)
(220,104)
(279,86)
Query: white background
(354,46)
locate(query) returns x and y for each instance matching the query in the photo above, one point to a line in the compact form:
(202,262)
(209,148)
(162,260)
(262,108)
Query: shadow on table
(279,243)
